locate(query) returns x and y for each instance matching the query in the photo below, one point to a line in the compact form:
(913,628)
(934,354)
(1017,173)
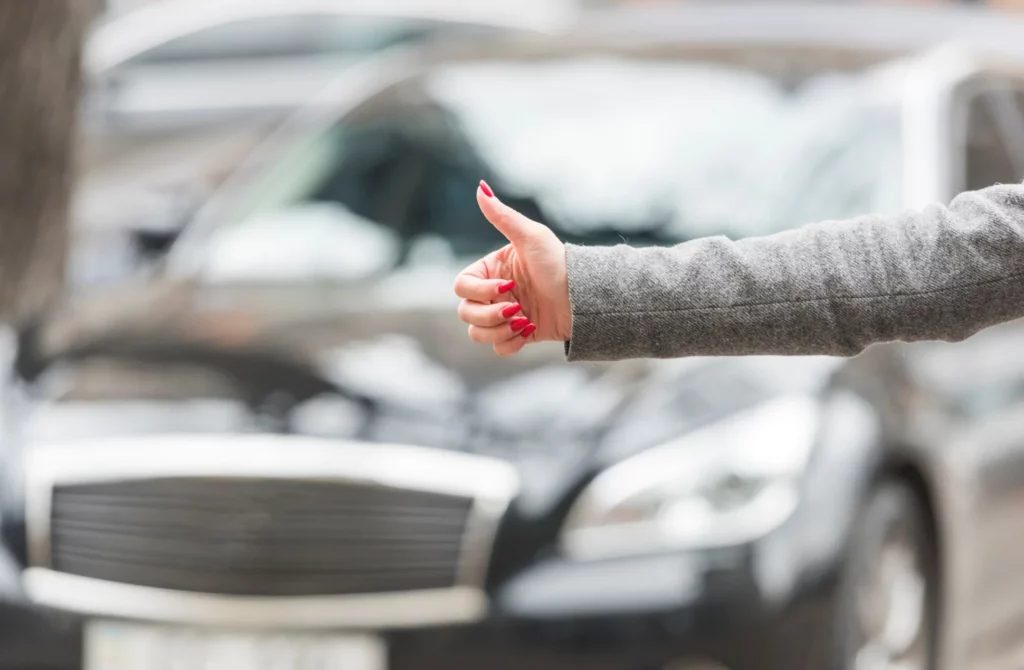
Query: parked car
(181,90)
(179,65)
(214,467)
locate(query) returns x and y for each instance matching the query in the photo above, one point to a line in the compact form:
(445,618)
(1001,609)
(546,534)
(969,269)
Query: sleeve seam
(794,301)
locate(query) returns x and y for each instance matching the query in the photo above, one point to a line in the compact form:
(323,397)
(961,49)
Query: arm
(829,288)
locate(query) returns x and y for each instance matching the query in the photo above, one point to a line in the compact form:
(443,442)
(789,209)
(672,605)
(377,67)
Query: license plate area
(114,645)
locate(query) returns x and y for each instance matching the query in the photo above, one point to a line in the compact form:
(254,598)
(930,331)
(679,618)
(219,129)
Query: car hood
(371,364)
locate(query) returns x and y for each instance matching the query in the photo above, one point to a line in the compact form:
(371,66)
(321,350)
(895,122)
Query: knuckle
(464,311)
(475,334)
(494,316)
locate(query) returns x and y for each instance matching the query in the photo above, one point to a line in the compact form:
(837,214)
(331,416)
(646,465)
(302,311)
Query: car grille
(267,537)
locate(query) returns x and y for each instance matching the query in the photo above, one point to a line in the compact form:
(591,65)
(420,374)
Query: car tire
(888,598)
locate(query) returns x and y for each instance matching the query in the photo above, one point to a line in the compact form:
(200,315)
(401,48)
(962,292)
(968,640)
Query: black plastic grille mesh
(270,537)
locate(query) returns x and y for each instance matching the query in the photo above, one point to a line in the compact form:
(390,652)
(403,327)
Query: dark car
(216,467)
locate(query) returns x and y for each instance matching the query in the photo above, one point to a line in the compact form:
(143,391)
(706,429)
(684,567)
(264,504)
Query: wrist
(564,307)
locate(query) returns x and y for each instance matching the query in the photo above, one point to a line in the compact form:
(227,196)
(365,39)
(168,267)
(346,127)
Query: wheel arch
(904,469)
(899,466)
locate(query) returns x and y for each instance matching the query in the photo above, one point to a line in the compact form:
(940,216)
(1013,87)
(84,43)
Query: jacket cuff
(588,270)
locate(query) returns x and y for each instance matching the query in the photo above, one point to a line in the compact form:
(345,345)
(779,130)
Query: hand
(519,293)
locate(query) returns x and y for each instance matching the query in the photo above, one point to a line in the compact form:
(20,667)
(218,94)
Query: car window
(285,36)
(993,135)
(602,150)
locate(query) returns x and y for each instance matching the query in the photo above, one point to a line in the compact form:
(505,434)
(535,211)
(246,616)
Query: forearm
(830,288)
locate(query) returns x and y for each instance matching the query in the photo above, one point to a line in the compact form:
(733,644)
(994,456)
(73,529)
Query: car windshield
(602,149)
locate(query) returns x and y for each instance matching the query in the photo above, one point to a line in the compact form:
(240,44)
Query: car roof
(124,37)
(888,28)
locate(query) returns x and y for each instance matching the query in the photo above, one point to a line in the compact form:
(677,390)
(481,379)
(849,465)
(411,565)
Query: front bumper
(682,611)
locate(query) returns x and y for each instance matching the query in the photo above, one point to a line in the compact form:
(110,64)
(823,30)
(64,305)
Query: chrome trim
(393,610)
(478,540)
(489,482)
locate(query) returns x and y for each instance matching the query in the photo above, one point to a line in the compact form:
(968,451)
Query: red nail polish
(510,310)
(506,287)
(520,323)
(486,189)
(528,330)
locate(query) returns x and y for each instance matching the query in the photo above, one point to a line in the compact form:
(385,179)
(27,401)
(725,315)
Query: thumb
(516,228)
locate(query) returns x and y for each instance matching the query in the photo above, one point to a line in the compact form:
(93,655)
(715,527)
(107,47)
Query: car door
(987,115)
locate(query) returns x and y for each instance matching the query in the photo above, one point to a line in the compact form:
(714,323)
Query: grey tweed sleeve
(828,288)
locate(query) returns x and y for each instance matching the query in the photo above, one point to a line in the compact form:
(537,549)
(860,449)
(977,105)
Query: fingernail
(520,323)
(528,330)
(506,287)
(486,189)
(510,310)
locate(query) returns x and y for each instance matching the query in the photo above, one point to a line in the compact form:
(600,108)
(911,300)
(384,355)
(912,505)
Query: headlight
(725,484)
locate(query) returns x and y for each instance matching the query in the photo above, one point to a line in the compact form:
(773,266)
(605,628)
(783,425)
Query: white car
(183,63)
(178,91)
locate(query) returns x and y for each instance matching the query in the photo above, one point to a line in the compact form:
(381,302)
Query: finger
(478,289)
(481,314)
(514,226)
(501,333)
(509,347)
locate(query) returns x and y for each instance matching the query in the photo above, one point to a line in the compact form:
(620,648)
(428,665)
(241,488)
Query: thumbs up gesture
(519,293)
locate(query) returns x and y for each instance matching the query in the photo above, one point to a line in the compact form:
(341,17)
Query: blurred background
(242,425)
(178,96)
